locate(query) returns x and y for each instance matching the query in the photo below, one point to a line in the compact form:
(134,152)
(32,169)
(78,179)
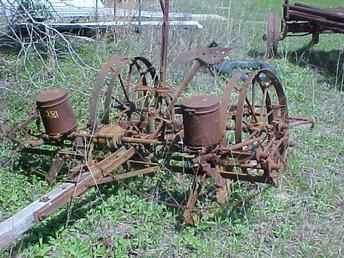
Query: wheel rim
(117,86)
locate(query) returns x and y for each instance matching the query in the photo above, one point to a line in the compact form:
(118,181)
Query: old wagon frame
(300,20)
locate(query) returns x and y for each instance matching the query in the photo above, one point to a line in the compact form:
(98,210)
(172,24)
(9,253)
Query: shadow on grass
(328,63)
(241,202)
(32,164)
(237,209)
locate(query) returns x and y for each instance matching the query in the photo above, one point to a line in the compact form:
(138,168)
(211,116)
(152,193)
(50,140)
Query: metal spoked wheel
(124,91)
(275,116)
(257,120)
(261,103)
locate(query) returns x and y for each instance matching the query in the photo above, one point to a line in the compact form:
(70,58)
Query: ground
(302,217)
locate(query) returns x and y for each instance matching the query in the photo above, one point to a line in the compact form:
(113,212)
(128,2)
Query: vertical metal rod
(96,10)
(114,9)
(140,17)
(165,7)
(185,83)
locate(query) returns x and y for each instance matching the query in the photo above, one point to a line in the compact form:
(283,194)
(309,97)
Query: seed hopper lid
(201,103)
(50,95)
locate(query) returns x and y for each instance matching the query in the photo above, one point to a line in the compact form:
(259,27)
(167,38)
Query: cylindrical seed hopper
(202,121)
(56,112)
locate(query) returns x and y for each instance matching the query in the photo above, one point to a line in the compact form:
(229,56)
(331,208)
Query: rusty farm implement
(139,125)
(299,19)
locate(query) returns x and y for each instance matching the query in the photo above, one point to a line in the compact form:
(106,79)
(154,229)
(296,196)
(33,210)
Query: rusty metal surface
(272,35)
(297,121)
(132,84)
(205,55)
(185,83)
(333,14)
(56,112)
(113,66)
(165,8)
(201,117)
(259,114)
(260,118)
(98,173)
(55,168)
(134,121)
(85,181)
(302,19)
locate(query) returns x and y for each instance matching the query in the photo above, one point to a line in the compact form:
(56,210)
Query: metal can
(202,121)
(56,112)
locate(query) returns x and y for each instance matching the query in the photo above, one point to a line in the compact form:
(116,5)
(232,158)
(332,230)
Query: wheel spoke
(107,105)
(263,104)
(122,97)
(251,107)
(123,88)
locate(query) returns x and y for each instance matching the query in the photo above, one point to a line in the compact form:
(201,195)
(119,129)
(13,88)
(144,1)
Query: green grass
(302,217)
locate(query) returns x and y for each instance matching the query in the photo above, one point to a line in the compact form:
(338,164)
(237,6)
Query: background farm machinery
(140,125)
(300,20)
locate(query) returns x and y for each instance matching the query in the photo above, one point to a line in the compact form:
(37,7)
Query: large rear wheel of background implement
(272,35)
